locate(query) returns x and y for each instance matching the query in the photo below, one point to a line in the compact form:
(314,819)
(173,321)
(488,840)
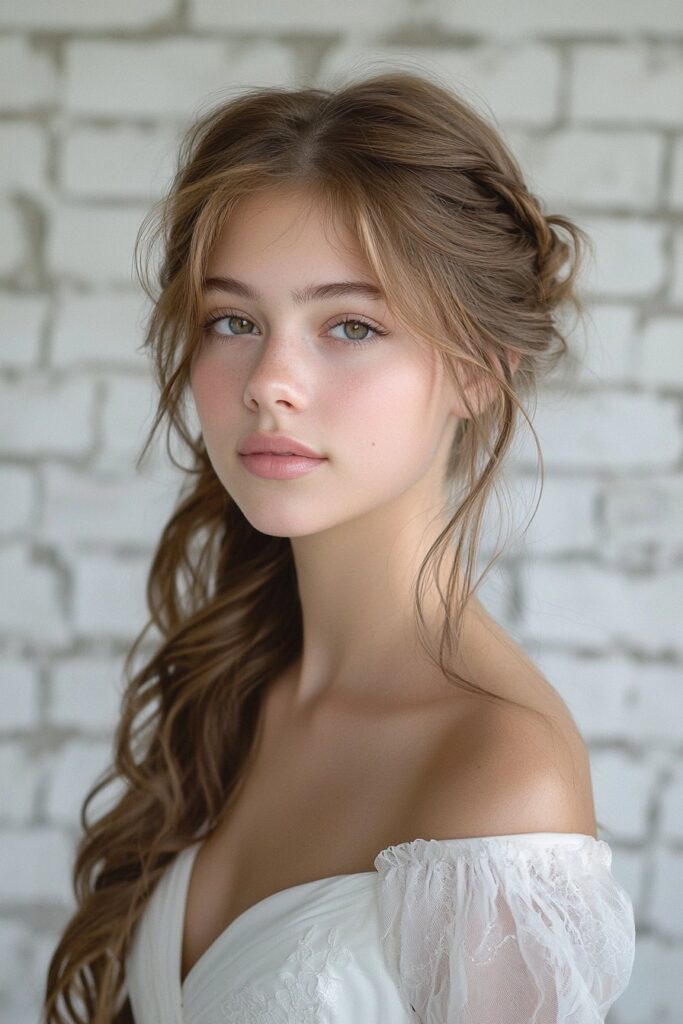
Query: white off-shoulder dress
(530,928)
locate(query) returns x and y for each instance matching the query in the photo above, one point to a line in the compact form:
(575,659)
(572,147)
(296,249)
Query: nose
(278,373)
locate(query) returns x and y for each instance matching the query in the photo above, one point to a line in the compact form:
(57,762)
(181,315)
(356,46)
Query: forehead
(281,226)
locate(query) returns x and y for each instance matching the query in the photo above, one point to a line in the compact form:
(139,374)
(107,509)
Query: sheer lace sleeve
(519,929)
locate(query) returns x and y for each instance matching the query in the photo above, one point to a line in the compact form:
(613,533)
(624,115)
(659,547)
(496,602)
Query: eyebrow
(330,290)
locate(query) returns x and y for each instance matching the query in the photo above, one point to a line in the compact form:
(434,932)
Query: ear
(479,389)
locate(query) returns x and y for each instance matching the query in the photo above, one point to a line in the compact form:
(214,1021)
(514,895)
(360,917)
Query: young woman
(348,795)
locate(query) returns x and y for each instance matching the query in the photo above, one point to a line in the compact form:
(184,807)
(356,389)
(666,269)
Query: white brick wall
(639,84)
(72,14)
(629,259)
(676,290)
(518,82)
(621,169)
(20,694)
(119,162)
(92,100)
(14,249)
(581,17)
(23,318)
(91,244)
(168,78)
(28,74)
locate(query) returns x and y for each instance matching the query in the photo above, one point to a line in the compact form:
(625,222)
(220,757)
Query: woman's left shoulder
(505,769)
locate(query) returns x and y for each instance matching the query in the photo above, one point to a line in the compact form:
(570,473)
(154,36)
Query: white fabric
(530,928)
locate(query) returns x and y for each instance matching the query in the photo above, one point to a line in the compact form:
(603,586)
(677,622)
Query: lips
(279,455)
(278,466)
(276,444)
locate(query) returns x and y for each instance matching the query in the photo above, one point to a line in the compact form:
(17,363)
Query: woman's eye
(355,330)
(235,325)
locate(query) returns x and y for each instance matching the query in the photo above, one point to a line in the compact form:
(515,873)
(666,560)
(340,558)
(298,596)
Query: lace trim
(310,985)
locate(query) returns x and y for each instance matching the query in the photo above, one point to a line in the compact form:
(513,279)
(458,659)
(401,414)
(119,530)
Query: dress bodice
(531,926)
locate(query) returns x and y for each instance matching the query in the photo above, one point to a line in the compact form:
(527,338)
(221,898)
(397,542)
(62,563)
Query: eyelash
(347,319)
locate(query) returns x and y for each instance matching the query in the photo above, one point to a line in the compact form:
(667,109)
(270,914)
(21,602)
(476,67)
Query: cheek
(384,413)
(210,391)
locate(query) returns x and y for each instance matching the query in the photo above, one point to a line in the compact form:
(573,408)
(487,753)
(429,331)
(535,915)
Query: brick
(127,416)
(629,257)
(667,897)
(518,82)
(655,991)
(17,798)
(652,688)
(85,693)
(28,79)
(93,244)
(62,15)
(35,864)
(564,519)
(594,168)
(581,17)
(639,83)
(29,597)
(23,319)
(85,508)
(579,603)
(677,272)
(671,822)
(18,960)
(71,773)
(677,176)
(643,517)
(614,773)
(20,697)
(661,352)
(615,699)
(99,328)
(46,417)
(168,78)
(604,345)
(109,597)
(603,430)
(17,488)
(13,250)
(122,161)
(594,689)
(23,158)
(306,16)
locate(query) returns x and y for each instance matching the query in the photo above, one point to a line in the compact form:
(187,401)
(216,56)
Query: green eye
(231,320)
(356,324)
(357,330)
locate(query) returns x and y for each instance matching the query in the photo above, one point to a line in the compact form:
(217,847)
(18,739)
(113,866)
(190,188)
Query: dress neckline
(186,858)
(221,938)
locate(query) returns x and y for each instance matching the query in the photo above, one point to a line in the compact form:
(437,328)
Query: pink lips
(279,467)
(280,444)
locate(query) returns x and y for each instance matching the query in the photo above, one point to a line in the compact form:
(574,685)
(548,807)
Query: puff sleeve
(519,929)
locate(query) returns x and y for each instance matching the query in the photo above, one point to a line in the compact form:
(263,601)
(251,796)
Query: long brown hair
(461,248)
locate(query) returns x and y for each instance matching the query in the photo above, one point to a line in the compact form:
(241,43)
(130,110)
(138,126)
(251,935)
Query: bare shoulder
(506,770)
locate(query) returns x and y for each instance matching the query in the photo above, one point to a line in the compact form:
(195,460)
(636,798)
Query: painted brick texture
(92,100)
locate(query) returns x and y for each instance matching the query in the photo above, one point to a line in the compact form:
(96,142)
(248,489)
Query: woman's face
(367,395)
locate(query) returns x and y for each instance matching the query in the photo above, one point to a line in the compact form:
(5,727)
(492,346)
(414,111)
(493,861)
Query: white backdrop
(92,99)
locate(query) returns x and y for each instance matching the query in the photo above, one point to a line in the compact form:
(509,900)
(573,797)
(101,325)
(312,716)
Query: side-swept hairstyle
(467,256)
